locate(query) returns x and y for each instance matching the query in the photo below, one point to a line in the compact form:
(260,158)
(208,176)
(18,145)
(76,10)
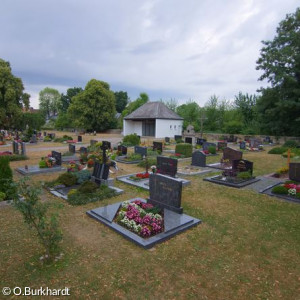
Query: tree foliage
(49,101)
(279,105)
(12,98)
(190,112)
(132,106)
(93,108)
(33,120)
(121,100)
(66,99)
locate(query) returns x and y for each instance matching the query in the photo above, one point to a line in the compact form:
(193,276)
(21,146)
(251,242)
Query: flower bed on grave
(234,177)
(139,176)
(141,218)
(288,188)
(47,162)
(177,156)
(92,157)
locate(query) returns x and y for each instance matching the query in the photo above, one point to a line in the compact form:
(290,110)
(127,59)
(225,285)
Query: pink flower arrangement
(293,186)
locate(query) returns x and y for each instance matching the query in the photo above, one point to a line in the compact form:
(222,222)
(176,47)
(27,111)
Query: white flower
(292,192)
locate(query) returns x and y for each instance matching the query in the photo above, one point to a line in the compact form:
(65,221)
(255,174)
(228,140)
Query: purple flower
(147,220)
(145,231)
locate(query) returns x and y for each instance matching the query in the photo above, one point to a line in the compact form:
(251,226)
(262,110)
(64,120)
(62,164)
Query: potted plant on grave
(47,162)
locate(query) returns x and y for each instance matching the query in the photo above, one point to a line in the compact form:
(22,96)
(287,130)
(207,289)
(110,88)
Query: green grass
(247,247)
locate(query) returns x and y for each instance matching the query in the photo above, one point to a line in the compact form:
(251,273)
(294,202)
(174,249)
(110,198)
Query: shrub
(88,187)
(277,150)
(282,170)
(179,141)
(151,162)
(68,179)
(184,149)
(82,176)
(134,156)
(2,196)
(42,164)
(285,154)
(47,139)
(6,178)
(291,144)
(279,189)
(212,150)
(17,157)
(131,140)
(244,175)
(35,215)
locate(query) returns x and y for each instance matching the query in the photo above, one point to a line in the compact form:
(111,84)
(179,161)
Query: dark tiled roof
(153,110)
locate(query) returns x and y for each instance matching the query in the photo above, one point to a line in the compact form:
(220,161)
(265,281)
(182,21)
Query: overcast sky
(175,49)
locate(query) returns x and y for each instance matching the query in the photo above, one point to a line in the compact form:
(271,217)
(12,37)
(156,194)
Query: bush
(68,179)
(244,175)
(283,170)
(42,164)
(233,127)
(17,157)
(179,141)
(184,149)
(82,176)
(88,187)
(47,139)
(279,189)
(6,178)
(79,198)
(151,162)
(212,150)
(291,144)
(131,140)
(134,156)
(2,196)
(278,150)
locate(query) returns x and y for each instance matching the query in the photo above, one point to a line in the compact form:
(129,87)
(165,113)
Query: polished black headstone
(165,192)
(294,171)
(167,166)
(72,148)
(57,156)
(167,139)
(140,150)
(106,145)
(101,171)
(198,159)
(206,145)
(242,165)
(83,150)
(177,137)
(79,139)
(158,146)
(122,149)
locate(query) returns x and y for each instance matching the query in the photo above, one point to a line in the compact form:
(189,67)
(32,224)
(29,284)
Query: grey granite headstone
(231,154)
(158,146)
(198,159)
(23,148)
(106,145)
(242,145)
(200,141)
(165,192)
(57,156)
(33,138)
(294,171)
(242,165)
(255,143)
(79,139)
(167,166)
(101,171)
(15,147)
(72,148)
(140,150)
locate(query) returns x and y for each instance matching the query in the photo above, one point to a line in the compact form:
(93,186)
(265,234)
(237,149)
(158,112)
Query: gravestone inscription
(167,166)
(231,154)
(198,159)
(294,171)
(165,192)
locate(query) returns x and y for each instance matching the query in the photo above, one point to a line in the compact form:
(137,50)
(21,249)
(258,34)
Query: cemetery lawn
(248,246)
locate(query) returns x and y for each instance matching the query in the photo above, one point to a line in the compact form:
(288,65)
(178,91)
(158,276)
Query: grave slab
(173,223)
(33,170)
(268,192)
(217,179)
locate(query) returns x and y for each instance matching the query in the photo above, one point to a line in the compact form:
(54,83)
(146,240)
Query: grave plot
(80,187)
(229,155)
(49,164)
(165,165)
(133,158)
(70,155)
(288,190)
(197,167)
(238,176)
(209,149)
(147,223)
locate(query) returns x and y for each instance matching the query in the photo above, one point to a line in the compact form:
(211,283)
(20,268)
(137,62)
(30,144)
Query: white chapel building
(153,119)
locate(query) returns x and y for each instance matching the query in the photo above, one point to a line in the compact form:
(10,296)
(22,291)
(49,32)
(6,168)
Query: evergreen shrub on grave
(291,144)
(185,149)
(278,150)
(7,189)
(131,140)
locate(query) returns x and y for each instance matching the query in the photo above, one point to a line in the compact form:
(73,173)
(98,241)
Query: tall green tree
(122,100)
(190,112)
(132,106)
(12,98)
(93,108)
(171,104)
(49,102)
(33,120)
(279,105)
(66,99)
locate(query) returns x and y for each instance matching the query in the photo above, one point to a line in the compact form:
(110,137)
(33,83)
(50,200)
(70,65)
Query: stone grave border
(268,191)
(231,184)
